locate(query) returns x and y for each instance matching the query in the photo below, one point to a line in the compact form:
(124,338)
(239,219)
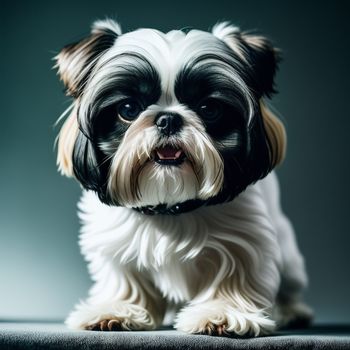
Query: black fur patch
(101,124)
(242,145)
(263,60)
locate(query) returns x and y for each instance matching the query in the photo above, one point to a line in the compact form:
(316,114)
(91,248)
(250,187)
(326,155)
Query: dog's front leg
(123,299)
(240,304)
(222,316)
(228,313)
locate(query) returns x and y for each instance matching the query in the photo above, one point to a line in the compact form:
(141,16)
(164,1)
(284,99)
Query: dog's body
(172,141)
(196,258)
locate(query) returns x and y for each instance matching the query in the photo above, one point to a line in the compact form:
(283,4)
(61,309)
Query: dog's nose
(169,123)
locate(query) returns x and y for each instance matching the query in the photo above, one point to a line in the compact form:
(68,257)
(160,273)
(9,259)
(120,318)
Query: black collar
(176,209)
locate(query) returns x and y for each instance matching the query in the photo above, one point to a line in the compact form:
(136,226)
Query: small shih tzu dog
(173,144)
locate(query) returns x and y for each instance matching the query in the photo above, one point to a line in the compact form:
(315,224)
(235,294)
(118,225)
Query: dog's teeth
(169,154)
(178,154)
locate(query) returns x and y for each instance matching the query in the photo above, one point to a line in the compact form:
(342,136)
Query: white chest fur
(185,256)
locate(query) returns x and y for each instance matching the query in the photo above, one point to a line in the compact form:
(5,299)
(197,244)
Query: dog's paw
(118,316)
(219,318)
(106,325)
(215,329)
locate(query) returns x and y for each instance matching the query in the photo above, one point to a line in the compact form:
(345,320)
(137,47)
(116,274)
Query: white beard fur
(234,265)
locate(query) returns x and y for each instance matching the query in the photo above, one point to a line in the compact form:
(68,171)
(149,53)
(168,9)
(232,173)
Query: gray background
(41,271)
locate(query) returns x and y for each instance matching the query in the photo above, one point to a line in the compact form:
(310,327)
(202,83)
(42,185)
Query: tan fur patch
(276,135)
(66,141)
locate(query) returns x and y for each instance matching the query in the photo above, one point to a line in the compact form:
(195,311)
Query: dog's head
(169,121)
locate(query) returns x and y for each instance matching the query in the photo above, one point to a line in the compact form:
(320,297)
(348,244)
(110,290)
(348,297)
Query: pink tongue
(169,153)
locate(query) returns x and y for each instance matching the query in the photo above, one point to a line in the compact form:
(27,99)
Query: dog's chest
(171,250)
(180,254)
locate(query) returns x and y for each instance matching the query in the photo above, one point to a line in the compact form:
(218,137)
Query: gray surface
(56,336)
(38,223)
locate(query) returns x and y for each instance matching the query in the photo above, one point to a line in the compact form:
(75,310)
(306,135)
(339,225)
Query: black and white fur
(201,237)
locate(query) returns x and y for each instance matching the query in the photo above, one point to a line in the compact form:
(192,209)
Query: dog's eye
(129,110)
(210,110)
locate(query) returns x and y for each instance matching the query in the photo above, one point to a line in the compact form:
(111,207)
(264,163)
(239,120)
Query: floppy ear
(267,132)
(257,52)
(75,63)
(264,59)
(267,141)
(78,156)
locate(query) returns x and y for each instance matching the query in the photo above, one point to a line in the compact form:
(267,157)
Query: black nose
(169,123)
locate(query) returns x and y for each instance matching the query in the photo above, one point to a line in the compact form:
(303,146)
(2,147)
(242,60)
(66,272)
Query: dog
(172,141)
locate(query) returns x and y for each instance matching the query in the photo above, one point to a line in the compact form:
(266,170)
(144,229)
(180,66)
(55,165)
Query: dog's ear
(267,143)
(86,163)
(257,52)
(76,61)
(78,156)
(267,133)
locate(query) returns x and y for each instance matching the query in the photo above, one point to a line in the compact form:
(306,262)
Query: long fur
(223,264)
(160,184)
(232,265)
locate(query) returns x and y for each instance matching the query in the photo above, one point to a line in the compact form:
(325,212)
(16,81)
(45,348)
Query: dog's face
(168,119)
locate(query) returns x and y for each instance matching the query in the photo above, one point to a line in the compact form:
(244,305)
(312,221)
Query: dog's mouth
(169,155)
